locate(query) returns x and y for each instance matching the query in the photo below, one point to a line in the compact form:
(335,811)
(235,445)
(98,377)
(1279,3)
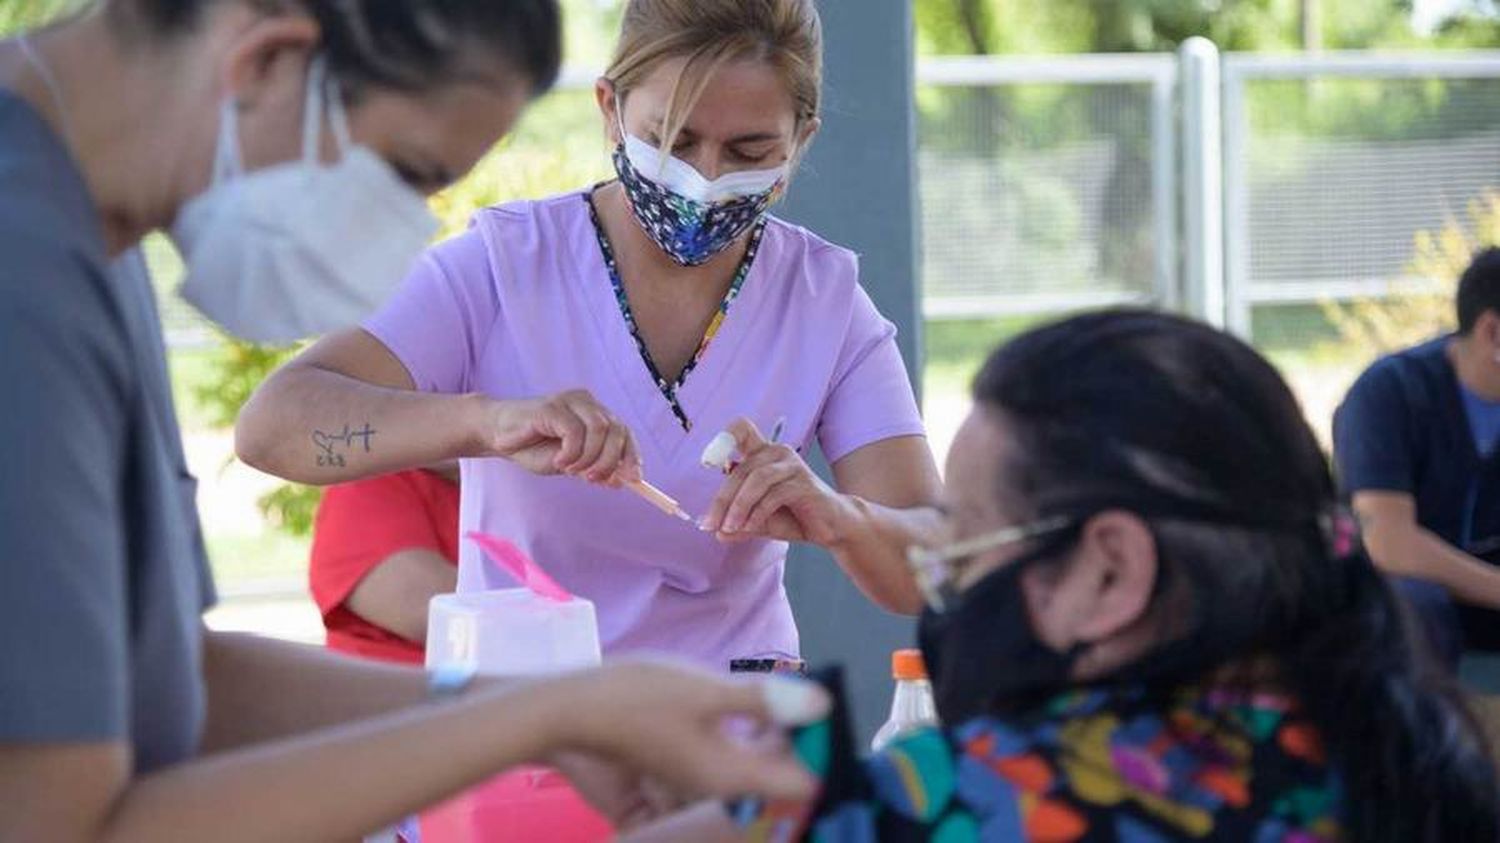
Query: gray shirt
(103,575)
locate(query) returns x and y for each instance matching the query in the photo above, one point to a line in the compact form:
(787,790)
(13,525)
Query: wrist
(852,520)
(542,713)
(571,720)
(479,417)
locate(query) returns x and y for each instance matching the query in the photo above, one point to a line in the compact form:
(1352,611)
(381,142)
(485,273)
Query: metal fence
(1333,163)
(1047,184)
(1274,180)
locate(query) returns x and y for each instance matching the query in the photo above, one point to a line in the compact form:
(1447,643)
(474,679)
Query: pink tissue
(519,565)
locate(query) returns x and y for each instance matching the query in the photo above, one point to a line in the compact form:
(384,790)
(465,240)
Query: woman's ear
(1120,573)
(1101,592)
(264,51)
(809,131)
(604,95)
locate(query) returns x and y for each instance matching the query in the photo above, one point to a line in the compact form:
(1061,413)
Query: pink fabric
(519,566)
(521,306)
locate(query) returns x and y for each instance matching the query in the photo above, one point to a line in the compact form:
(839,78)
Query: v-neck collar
(1454,395)
(669,416)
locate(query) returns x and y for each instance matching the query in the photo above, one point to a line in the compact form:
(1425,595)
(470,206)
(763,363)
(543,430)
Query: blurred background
(1355,152)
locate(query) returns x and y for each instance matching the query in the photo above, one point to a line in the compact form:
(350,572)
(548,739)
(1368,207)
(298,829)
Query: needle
(659,499)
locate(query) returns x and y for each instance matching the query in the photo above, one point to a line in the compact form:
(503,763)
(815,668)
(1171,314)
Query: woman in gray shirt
(121,716)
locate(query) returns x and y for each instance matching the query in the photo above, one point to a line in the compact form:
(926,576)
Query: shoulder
(511,237)
(560,215)
(58,304)
(1410,375)
(46,213)
(399,487)
(510,232)
(430,487)
(821,268)
(55,285)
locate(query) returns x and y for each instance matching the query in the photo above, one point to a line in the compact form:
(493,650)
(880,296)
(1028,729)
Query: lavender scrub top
(522,306)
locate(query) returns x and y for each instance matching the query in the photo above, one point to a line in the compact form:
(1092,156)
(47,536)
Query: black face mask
(984,658)
(982,655)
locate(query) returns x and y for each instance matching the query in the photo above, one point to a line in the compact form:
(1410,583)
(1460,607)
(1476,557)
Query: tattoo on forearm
(330,445)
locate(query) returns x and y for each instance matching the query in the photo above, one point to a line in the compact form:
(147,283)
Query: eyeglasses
(936,574)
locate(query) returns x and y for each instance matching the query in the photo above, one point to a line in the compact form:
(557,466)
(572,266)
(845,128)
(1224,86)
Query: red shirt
(360,525)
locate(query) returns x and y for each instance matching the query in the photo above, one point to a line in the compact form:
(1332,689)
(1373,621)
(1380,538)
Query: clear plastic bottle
(913,707)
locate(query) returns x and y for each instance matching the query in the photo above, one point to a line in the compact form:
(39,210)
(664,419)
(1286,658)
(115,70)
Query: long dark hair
(1196,432)
(410,45)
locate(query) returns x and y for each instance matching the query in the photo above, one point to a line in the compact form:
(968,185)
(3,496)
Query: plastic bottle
(913,707)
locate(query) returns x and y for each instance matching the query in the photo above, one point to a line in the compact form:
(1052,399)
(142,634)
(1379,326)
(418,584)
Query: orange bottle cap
(908,665)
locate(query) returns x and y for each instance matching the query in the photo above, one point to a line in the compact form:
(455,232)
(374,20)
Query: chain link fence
(1334,165)
(1046,184)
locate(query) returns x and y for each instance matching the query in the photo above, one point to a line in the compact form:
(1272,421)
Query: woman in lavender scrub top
(610,333)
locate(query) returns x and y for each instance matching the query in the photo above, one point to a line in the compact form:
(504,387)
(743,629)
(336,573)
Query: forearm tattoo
(332,448)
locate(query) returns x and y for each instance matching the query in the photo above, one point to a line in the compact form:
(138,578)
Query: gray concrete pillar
(858,189)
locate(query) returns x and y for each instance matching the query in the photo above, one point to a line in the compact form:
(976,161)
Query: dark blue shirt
(1484,420)
(1403,428)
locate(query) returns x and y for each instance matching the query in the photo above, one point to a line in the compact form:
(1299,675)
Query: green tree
(976,27)
(989,125)
(1370,327)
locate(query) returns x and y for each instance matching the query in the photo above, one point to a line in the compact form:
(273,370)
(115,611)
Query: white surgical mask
(302,248)
(680,177)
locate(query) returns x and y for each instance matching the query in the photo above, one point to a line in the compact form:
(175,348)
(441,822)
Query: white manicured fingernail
(795,702)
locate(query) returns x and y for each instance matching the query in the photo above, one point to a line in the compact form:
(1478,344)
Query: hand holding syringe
(719,455)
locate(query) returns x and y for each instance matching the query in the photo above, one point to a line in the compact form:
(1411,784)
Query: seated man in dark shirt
(1415,446)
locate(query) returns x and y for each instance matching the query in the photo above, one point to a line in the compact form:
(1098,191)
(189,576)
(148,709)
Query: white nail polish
(794,702)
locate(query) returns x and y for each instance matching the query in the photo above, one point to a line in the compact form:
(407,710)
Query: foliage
(19,15)
(291,508)
(552,151)
(947,27)
(558,147)
(232,374)
(989,120)
(1379,326)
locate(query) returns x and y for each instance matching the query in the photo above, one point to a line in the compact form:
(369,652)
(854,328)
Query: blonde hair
(786,34)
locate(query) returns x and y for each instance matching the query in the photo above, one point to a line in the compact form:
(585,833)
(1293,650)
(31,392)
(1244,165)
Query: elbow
(1392,554)
(250,449)
(259,441)
(252,441)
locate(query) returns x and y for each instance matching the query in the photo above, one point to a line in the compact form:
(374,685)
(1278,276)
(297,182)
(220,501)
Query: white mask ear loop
(338,118)
(620,117)
(661,160)
(228,162)
(312,112)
